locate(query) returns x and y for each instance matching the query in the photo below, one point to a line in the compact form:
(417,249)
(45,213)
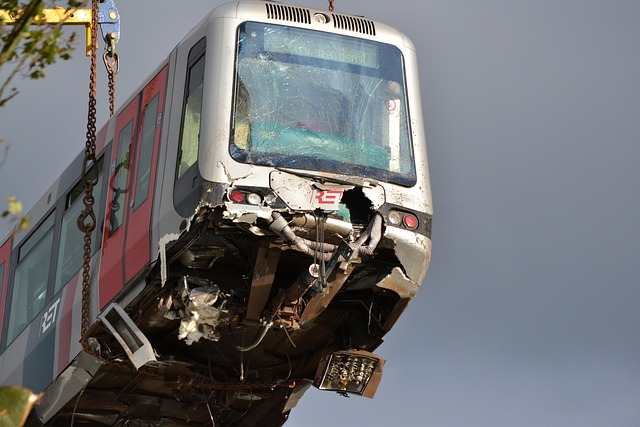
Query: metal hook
(111,62)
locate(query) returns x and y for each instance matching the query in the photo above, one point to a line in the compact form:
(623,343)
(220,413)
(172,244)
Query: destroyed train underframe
(248,306)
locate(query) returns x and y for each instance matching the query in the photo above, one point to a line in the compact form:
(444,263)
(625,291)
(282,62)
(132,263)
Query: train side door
(112,264)
(137,242)
(126,243)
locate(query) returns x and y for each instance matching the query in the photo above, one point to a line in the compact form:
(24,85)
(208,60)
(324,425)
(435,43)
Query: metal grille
(288,13)
(351,23)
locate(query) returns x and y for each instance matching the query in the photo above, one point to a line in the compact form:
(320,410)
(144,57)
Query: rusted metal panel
(263,274)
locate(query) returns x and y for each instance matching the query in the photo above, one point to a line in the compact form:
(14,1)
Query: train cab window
(319,101)
(190,136)
(146,151)
(71,246)
(31,276)
(121,177)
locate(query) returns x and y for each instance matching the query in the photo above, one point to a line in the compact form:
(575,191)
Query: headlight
(406,219)
(249,196)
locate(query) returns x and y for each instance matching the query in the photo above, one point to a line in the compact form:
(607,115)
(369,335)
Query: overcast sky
(530,313)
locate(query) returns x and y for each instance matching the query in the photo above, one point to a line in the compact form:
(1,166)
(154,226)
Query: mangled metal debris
(199,310)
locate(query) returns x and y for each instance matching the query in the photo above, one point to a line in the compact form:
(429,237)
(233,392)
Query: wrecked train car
(265,213)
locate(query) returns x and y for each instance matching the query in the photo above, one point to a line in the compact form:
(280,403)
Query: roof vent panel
(355,24)
(288,13)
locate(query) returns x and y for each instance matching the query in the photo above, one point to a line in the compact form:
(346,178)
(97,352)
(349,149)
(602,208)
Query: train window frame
(196,65)
(72,206)
(5,266)
(45,231)
(350,152)
(117,210)
(2,269)
(145,158)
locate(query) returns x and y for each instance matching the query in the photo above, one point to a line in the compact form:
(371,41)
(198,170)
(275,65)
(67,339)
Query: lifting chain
(87,218)
(112,63)
(330,5)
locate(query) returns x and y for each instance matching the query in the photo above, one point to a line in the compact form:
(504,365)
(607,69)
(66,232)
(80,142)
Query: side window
(71,247)
(2,302)
(1,286)
(146,151)
(192,110)
(30,281)
(120,177)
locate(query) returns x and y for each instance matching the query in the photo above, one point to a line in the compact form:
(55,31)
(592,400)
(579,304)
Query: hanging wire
(320,237)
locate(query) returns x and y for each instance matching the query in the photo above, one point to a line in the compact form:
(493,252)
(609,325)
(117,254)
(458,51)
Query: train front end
(314,167)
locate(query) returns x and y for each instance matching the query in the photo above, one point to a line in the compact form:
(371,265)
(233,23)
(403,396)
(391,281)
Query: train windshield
(318,101)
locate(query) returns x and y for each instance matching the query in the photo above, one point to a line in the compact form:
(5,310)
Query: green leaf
(23,223)
(15,206)
(15,405)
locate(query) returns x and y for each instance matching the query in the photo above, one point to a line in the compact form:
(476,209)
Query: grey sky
(529,315)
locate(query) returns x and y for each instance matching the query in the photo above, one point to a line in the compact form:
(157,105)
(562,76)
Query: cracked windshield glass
(317,101)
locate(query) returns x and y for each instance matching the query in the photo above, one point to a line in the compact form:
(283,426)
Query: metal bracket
(108,20)
(130,337)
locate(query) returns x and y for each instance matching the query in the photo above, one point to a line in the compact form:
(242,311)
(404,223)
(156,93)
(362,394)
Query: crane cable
(87,218)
